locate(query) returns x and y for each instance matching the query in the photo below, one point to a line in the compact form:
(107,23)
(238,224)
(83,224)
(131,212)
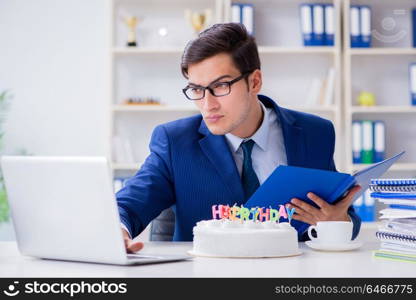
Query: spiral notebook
(396,237)
(383,181)
(396,246)
(409,196)
(393,185)
(392,188)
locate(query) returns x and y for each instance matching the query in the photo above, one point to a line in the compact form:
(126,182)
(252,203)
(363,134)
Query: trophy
(198,20)
(131,23)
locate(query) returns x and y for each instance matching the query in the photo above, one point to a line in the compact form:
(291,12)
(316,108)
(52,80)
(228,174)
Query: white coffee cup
(331,232)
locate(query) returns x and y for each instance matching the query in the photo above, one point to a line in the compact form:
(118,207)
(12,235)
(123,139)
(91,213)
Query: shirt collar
(260,137)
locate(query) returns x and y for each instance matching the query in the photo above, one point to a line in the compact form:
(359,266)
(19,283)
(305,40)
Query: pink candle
(216,212)
(282,211)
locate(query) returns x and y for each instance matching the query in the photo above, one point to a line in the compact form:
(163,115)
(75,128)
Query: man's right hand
(131,247)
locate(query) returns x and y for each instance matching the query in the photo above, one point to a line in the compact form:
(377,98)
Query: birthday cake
(243,232)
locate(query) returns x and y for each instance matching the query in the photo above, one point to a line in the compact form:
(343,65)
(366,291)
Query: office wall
(54,58)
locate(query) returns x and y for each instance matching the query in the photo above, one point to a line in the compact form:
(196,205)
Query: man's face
(227,113)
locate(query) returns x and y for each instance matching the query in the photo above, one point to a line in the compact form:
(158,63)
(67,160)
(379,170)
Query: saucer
(334,247)
(193,253)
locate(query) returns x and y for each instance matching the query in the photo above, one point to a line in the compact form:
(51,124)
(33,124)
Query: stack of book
(398,235)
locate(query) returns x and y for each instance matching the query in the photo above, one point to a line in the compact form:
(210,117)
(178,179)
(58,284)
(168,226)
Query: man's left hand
(326,212)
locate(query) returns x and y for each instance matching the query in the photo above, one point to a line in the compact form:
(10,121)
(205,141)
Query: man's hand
(131,247)
(326,212)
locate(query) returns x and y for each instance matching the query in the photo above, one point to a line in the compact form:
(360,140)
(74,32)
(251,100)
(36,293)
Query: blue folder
(287,182)
(414,26)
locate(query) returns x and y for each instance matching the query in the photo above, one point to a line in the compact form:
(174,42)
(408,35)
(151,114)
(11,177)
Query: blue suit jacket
(192,169)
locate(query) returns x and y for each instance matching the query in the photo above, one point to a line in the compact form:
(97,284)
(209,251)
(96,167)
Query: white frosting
(237,238)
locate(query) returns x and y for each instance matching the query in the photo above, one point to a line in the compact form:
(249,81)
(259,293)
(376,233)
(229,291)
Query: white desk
(357,263)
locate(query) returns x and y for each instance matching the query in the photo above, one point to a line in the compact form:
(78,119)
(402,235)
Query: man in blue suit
(223,154)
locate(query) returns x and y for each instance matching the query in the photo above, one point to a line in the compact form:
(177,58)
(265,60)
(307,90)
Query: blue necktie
(248,176)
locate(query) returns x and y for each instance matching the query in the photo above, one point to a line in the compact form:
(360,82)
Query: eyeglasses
(217,89)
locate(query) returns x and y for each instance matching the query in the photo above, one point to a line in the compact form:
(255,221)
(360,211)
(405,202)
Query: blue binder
(236,16)
(329,24)
(243,13)
(318,25)
(379,143)
(365,207)
(358,205)
(357,142)
(369,208)
(355,26)
(287,182)
(365,26)
(306,24)
(414,26)
(247,17)
(412,83)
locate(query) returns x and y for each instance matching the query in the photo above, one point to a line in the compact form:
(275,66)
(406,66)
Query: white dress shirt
(269,149)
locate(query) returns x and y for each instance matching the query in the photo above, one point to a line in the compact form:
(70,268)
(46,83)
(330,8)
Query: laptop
(64,208)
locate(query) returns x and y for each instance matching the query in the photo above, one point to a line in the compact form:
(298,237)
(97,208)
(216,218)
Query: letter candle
(255,213)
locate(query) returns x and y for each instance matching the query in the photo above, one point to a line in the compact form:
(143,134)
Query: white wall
(54,58)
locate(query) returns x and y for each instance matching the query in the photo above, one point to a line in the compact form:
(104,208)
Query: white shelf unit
(282,55)
(382,70)
(382,51)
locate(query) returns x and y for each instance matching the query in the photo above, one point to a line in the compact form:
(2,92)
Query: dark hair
(231,38)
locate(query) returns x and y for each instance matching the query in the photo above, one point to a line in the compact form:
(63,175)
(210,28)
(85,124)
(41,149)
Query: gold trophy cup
(198,20)
(131,23)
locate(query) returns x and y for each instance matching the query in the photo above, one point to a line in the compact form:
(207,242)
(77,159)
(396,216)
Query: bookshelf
(149,70)
(382,70)
(282,56)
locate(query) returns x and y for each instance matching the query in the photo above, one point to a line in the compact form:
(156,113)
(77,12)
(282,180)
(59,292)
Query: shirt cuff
(125,227)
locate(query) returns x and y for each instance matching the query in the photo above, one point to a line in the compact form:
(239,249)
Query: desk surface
(357,263)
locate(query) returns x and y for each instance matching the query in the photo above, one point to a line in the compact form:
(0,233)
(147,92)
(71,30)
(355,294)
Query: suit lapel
(218,152)
(293,136)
